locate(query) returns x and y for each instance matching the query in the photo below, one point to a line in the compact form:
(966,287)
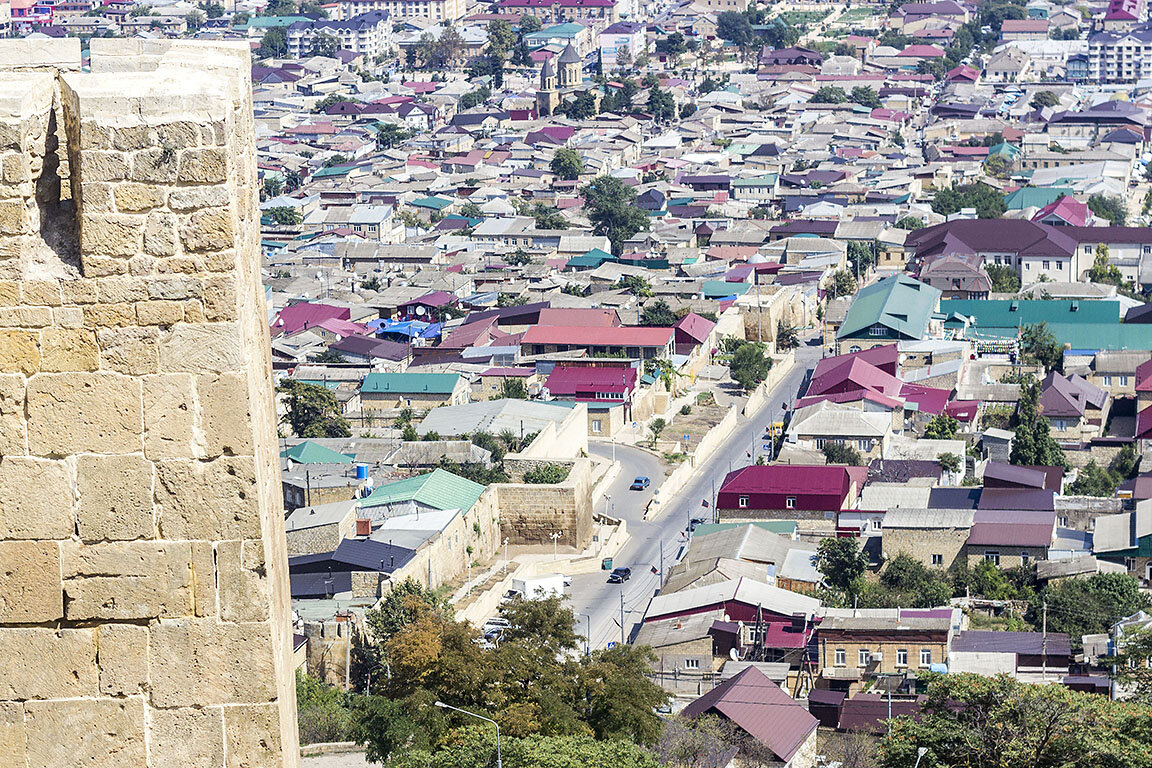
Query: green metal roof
(266,22)
(435,203)
(308,452)
(1034,197)
(782,527)
(756,181)
(1106,336)
(332,171)
(1017,313)
(900,303)
(408,383)
(438,489)
(718,289)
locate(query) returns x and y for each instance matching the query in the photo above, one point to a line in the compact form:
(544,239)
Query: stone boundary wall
(144,604)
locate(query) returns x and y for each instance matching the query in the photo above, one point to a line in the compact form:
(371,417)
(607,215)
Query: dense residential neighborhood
(685,383)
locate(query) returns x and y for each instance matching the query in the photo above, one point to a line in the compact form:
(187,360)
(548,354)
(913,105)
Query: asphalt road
(590,594)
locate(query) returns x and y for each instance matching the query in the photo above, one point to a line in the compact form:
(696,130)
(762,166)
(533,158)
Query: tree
(998,167)
(547,217)
(843,284)
(735,28)
(635,285)
(933,67)
(273,186)
(841,453)
(611,207)
(328,356)
(500,38)
(1003,278)
(529,24)
(389,135)
(911,223)
(988,201)
(673,45)
(949,462)
(1111,208)
(698,741)
(973,721)
(656,427)
(829,94)
(661,105)
(658,314)
(1044,99)
(448,47)
(1103,270)
(567,164)
(1089,606)
(941,427)
(911,583)
(476,97)
(787,337)
(623,58)
(841,562)
(280,8)
(195,20)
(1039,346)
(476,746)
(325,45)
(580,108)
(331,99)
(546,474)
(211,10)
(750,365)
(1033,445)
(322,711)
(285,215)
(313,411)
(1093,480)
(1133,665)
(861,255)
(274,44)
(865,96)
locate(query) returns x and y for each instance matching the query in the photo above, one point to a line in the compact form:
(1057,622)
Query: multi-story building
(1122,56)
(559,11)
(622,36)
(434,10)
(369,34)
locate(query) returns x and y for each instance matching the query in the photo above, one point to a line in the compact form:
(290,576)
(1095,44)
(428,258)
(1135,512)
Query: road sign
(611,643)
(767,447)
(634,424)
(687,437)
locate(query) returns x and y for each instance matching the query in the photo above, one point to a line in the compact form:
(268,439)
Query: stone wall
(529,514)
(144,612)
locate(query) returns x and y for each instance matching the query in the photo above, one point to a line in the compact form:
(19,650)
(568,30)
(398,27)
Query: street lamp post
(587,633)
(555,536)
(505,556)
(920,752)
(499,762)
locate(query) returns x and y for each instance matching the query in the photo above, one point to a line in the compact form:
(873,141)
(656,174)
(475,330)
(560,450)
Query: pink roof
(588,317)
(1067,209)
(854,374)
(963,72)
(343,328)
(1144,424)
(695,326)
(1144,376)
(583,382)
(1024,25)
(922,52)
(305,315)
(626,336)
(929,399)
(962,410)
(1123,10)
(509,372)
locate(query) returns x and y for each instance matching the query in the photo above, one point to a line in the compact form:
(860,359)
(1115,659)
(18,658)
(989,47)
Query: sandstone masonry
(144,613)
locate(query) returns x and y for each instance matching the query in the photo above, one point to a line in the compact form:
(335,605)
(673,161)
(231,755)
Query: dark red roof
(586,383)
(867,711)
(1027,528)
(760,708)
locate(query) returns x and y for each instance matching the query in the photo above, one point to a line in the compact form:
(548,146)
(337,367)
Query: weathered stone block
(122,657)
(19,352)
(204,577)
(251,733)
(40,293)
(79,291)
(208,230)
(25,317)
(9,293)
(207,499)
(159,312)
(168,416)
(12,737)
(211,347)
(14,219)
(191,198)
(110,234)
(104,733)
(102,266)
(115,497)
(134,197)
(82,412)
(102,166)
(109,315)
(202,662)
(68,317)
(29,582)
(243,580)
(156,165)
(225,418)
(68,349)
(208,165)
(127,580)
(35,499)
(121,290)
(160,235)
(189,738)
(47,664)
(220,298)
(134,351)
(12,432)
(175,288)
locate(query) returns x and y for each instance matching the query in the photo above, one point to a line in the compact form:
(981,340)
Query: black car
(695,522)
(620,575)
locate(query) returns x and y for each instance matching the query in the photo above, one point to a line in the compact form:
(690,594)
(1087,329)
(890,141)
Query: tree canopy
(750,364)
(988,201)
(658,314)
(1033,445)
(567,164)
(313,411)
(611,207)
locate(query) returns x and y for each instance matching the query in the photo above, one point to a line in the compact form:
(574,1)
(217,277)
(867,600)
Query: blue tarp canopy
(413,329)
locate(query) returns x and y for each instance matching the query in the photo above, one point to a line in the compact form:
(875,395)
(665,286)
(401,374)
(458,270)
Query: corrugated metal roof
(408,383)
(438,489)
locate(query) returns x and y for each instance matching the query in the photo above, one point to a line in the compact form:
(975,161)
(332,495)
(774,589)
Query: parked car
(695,522)
(640,483)
(620,575)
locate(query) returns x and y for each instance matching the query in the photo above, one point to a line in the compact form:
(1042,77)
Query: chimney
(363,526)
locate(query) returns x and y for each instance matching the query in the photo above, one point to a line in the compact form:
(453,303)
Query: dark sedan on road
(640,483)
(620,575)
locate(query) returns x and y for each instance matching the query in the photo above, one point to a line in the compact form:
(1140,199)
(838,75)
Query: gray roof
(776,671)
(426,453)
(321,514)
(676,630)
(910,517)
(743,551)
(493,416)
(1115,533)
(569,55)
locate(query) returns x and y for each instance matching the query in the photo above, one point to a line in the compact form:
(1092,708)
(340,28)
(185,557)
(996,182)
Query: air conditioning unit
(878,656)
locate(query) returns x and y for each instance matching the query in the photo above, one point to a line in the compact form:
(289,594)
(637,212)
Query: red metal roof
(1027,528)
(787,478)
(624,336)
(575,381)
(760,708)
(589,317)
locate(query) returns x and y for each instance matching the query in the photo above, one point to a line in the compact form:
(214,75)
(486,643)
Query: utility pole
(661,563)
(621,615)
(1044,645)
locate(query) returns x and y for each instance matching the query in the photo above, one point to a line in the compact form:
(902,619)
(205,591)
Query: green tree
(1089,606)
(1033,445)
(529,24)
(661,105)
(323,711)
(998,167)
(941,427)
(500,38)
(750,365)
(1133,665)
(1093,480)
(735,28)
(911,223)
(865,96)
(1039,346)
(635,285)
(273,186)
(656,427)
(1111,208)
(333,98)
(212,10)
(328,356)
(274,44)
(911,583)
(842,563)
(610,205)
(547,217)
(279,8)
(988,201)
(389,135)
(567,164)
(658,314)
(862,255)
(829,94)
(787,337)
(1044,99)
(1103,270)
(546,474)
(325,45)
(1003,278)
(841,453)
(313,411)
(843,284)
(949,462)
(475,98)
(476,746)
(580,108)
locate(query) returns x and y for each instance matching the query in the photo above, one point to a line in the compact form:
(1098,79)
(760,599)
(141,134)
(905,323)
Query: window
(596,425)
(1024,558)
(743,502)
(992,557)
(1107,381)
(901,657)
(790,502)
(878,330)
(1060,265)
(925,657)
(863,656)
(937,559)
(1047,265)
(691,663)
(1087,249)
(1062,521)
(841,657)
(1123,381)
(864,445)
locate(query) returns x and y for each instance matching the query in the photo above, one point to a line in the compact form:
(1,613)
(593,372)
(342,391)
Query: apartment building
(1121,56)
(433,10)
(369,34)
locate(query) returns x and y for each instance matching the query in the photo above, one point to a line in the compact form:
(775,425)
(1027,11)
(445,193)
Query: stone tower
(547,97)
(570,64)
(144,613)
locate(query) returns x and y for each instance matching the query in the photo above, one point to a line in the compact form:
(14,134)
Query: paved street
(590,594)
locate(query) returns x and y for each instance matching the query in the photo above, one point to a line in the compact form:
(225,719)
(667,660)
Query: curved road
(590,594)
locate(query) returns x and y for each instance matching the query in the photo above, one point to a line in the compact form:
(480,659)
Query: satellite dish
(732,654)
(420,310)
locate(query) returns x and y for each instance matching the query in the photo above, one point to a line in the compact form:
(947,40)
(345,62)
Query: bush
(841,453)
(322,711)
(547,474)
(686,410)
